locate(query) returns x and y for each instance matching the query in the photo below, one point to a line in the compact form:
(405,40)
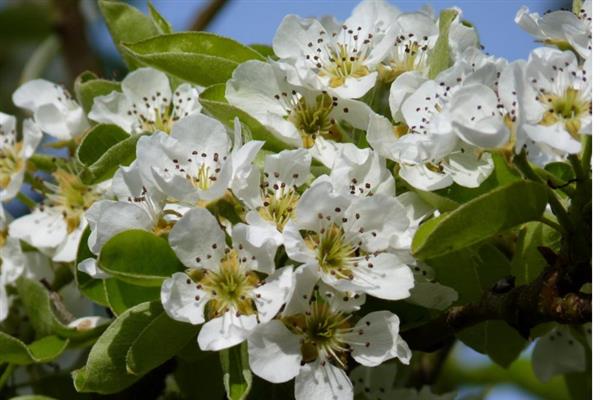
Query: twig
(207,14)
(70,27)
(523,307)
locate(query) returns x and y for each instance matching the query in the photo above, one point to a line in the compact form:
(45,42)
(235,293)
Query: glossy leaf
(236,372)
(121,154)
(37,303)
(198,57)
(160,23)
(471,272)
(485,216)
(121,296)
(496,339)
(106,370)
(14,351)
(144,355)
(528,262)
(440,58)
(214,103)
(88,85)
(126,24)
(139,257)
(97,141)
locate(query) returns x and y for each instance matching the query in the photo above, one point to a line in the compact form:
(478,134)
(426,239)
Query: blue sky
(255,21)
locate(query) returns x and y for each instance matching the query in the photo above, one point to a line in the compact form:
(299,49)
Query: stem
(551,224)
(520,161)
(6,375)
(555,182)
(579,174)
(586,154)
(23,198)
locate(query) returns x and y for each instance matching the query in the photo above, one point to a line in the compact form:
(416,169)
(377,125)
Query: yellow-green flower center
(71,196)
(568,109)
(230,287)
(279,207)
(313,119)
(335,254)
(10,163)
(321,329)
(342,64)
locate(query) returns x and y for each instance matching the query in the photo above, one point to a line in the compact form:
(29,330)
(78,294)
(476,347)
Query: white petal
(554,135)
(256,245)
(90,266)
(274,352)
(318,203)
(32,136)
(374,338)
(557,352)
(40,229)
(4,303)
(422,178)
(13,261)
(144,83)
(113,108)
(468,170)
(182,300)
(198,240)
(226,331)
(291,167)
(67,250)
(316,381)
(274,293)
(305,278)
(388,278)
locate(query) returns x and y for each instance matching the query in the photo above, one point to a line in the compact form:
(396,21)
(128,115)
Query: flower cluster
(285,243)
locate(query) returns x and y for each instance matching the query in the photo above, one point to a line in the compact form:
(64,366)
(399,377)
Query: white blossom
(53,108)
(227,289)
(146,103)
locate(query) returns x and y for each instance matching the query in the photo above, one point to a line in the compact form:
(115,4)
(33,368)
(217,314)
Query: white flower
(296,115)
(146,103)
(428,292)
(196,163)
(343,59)
(415,35)
(12,264)
(346,239)
(553,98)
(359,172)
(14,153)
(562,29)
(53,108)
(557,352)
(271,201)
(227,289)
(313,344)
(138,206)
(57,223)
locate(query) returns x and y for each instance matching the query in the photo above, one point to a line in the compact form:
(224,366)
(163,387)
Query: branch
(70,27)
(523,307)
(207,14)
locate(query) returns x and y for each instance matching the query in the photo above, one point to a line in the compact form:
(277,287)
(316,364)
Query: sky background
(255,21)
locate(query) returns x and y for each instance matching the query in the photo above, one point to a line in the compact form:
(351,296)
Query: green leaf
(471,272)
(199,378)
(528,262)
(144,355)
(97,141)
(121,154)
(90,287)
(496,339)
(440,57)
(126,24)
(160,23)
(265,50)
(485,216)
(139,257)
(88,86)
(121,296)
(198,57)
(236,372)
(38,306)
(561,170)
(14,351)
(106,370)
(214,103)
